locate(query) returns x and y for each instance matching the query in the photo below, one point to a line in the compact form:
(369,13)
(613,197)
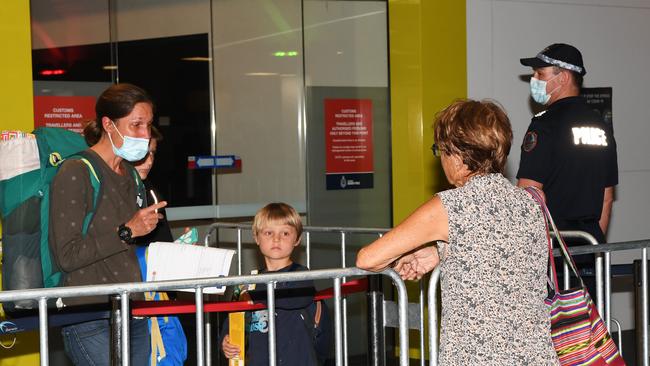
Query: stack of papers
(170,261)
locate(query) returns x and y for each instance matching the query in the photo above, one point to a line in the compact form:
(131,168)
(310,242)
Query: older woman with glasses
(490,244)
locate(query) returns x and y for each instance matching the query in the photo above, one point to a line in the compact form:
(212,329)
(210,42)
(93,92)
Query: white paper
(173,261)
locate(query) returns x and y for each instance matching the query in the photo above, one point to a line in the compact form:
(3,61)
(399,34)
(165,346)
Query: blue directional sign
(213,162)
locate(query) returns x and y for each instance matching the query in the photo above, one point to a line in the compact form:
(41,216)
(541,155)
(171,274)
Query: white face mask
(538,90)
(133,148)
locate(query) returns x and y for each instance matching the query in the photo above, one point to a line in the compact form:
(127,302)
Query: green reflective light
(285,54)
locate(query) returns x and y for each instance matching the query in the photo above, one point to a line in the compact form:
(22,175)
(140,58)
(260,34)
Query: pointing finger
(155,207)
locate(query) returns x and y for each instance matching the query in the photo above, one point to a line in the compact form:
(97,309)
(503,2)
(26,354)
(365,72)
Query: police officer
(568,150)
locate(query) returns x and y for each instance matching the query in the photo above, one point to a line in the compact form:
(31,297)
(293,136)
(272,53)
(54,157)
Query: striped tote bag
(579,334)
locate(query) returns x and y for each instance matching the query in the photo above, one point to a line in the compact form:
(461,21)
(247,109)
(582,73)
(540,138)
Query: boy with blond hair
(277,230)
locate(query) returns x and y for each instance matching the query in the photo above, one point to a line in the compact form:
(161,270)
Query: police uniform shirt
(572,152)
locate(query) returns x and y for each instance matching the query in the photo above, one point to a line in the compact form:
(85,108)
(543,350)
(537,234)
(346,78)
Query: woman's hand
(415,265)
(145,220)
(229,350)
(427,224)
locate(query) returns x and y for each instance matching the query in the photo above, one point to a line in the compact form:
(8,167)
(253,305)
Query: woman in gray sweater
(105,253)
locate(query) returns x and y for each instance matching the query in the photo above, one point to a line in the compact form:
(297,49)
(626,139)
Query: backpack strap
(52,277)
(95,181)
(140,190)
(157,343)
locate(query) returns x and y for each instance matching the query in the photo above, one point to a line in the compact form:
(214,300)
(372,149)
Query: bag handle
(553,279)
(550,224)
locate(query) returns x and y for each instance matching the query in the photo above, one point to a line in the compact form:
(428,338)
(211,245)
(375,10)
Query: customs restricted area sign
(67,112)
(348,144)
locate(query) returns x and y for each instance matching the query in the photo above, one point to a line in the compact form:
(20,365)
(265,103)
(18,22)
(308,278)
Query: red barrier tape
(156,308)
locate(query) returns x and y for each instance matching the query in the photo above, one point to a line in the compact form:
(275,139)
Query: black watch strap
(125,234)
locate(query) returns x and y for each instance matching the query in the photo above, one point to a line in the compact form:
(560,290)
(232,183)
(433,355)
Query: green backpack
(24,208)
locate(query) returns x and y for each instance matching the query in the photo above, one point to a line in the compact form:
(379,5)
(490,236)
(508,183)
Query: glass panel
(346,68)
(258,92)
(290,79)
(77,58)
(170,59)
(348,133)
(258,97)
(58,23)
(70,60)
(181,89)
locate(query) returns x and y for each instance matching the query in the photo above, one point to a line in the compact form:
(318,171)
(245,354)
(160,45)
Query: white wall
(258,99)
(613,38)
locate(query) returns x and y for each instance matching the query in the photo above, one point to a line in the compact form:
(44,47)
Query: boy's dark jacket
(294,341)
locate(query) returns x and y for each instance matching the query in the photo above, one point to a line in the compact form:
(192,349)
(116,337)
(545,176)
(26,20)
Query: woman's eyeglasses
(436,150)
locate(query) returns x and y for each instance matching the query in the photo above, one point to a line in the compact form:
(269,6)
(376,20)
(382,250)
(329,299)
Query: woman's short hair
(277,213)
(479,132)
(115,102)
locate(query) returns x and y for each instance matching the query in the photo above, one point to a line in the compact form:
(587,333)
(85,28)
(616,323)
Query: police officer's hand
(145,220)
(229,350)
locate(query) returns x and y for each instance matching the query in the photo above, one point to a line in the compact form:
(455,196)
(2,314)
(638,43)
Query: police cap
(560,55)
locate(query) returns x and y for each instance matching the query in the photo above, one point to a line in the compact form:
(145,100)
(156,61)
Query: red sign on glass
(64,112)
(348,141)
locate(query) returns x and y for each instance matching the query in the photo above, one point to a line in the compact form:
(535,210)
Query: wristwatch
(124,232)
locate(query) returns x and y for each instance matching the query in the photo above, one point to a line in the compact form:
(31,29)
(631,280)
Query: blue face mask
(133,148)
(538,90)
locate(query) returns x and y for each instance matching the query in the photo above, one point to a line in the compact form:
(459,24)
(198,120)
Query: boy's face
(276,242)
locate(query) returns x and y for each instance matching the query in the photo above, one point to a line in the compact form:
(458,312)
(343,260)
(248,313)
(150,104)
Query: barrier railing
(307,231)
(343,233)
(125,289)
(606,249)
(381,314)
(603,295)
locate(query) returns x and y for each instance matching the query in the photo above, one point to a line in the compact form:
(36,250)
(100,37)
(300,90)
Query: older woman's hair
(479,132)
(115,102)
(277,213)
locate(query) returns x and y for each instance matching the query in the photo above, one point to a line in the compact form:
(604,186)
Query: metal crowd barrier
(603,297)
(125,289)
(380,309)
(376,339)
(344,232)
(381,313)
(606,249)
